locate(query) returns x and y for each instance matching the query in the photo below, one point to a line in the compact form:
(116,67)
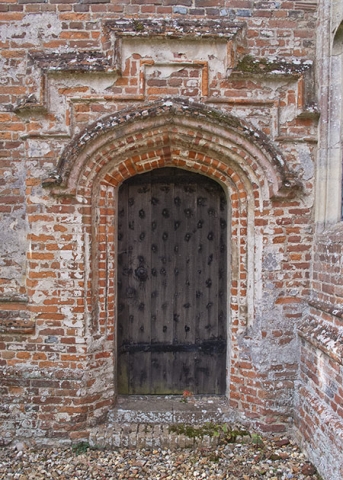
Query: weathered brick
(59,243)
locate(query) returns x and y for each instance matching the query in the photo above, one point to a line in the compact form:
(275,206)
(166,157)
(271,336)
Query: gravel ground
(279,459)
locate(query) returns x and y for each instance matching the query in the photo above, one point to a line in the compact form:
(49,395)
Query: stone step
(170,409)
(160,422)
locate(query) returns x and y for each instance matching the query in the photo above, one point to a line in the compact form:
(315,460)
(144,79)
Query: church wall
(66,65)
(319,414)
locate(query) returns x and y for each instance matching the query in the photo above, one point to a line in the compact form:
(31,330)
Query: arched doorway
(172,292)
(197,138)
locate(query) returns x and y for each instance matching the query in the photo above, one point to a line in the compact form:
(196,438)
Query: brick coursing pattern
(319,414)
(93,92)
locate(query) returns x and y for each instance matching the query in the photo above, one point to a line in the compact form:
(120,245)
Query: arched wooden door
(172,234)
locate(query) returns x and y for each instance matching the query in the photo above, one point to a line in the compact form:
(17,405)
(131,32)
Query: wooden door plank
(176,247)
(139,225)
(123,275)
(211,282)
(203,323)
(162,281)
(183,368)
(222,291)
(178,381)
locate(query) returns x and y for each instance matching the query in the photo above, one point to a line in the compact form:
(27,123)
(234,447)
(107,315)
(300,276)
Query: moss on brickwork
(138,26)
(250,64)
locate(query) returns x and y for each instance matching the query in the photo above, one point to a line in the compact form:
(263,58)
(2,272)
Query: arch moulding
(178,134)
(198,125)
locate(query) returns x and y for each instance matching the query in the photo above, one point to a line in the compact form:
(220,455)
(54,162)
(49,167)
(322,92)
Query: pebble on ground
(279,459)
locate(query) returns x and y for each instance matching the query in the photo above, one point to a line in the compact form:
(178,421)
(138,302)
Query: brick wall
(84,107)
(319,415)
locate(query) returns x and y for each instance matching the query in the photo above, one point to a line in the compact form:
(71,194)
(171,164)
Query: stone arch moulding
(168,133)
(230,135)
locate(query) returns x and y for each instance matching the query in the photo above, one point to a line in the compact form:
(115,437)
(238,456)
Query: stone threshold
(144,421)
(170,409)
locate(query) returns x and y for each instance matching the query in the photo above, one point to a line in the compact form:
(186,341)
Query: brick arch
(174,134)
(165,124)
(101,209)
(161,147)
(97,188)
(243,198)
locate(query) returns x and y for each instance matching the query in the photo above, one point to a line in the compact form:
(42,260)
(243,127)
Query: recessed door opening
(172,284)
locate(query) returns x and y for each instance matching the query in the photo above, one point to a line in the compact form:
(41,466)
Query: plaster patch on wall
(306,169)
(13,224)
(32,29)
(38,148)
(168,51)
(272,259)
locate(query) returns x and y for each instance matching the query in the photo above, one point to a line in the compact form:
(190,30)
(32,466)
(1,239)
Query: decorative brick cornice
(327,308)
(85,61)
(326,337)
(174,28)
(306,5)
(14,319)
(15,298)
(16,322)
